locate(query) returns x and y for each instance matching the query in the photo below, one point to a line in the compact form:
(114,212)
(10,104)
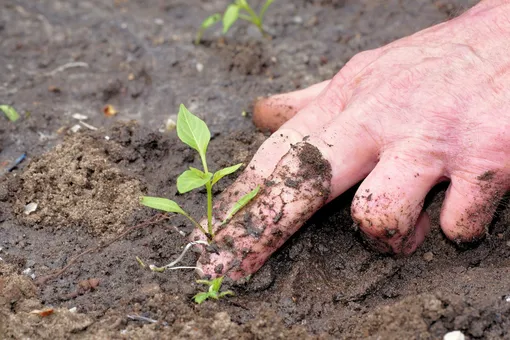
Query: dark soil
(138,57)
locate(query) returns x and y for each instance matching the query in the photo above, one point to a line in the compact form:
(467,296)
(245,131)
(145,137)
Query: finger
(271,113)
(317,114)
(311,173)
(469,206)
(388,205)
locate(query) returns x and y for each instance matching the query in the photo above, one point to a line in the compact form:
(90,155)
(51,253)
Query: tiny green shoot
(213,292)
(194,132)
(10,112)
(239,9)
(140,262)
(206,24)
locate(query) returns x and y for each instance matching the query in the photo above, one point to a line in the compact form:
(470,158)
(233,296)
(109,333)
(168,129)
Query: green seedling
(239,9)
(10,112)
(194,132)
(213,292)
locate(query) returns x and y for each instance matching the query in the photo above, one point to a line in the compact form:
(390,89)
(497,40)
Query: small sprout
(10,112)
(243,201)
(206,24)
(239,9)
(194,132)
(213,292)
(140,262)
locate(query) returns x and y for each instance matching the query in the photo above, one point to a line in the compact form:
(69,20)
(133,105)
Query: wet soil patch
(323,283)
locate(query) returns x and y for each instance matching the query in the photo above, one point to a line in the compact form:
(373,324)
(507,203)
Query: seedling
(194,132)
(239,9)
(213,292)
(10,112)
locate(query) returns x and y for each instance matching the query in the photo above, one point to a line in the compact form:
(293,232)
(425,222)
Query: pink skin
(423,109)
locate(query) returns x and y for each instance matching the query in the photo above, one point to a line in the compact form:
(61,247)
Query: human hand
(421,110)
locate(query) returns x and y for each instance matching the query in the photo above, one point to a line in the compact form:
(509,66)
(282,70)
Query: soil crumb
(75,185)
(430,316)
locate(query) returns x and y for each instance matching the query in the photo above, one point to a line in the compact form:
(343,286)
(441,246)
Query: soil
(59,58)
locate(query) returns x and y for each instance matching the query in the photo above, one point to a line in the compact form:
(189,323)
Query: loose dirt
(58,58)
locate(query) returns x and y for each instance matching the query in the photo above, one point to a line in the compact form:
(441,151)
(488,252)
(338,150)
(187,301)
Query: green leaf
(216,284)
(230,17)
(10,112)
(241,3)
(224,172)
(190,180)
(162,204)
(228,292)
(243,201)
(210,20)
(201,297)
(198,172)
(193,131)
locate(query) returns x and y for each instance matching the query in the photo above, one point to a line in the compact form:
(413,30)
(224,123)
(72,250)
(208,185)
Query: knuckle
(333,100)
(365,57)
(406,79)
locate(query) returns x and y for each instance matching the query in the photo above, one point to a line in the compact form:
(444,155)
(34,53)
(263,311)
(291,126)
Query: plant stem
(208,186)
(254,19)
(198,38)
(264,9)
(251,12)
(196,224)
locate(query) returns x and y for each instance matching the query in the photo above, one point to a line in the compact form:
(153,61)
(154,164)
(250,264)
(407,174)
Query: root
(65,67)
(178,259)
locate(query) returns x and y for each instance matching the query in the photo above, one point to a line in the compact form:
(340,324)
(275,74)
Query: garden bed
(59,58)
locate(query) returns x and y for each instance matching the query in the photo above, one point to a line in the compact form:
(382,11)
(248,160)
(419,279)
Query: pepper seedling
(213,292)
(239,9)
(10,112)
(194,132)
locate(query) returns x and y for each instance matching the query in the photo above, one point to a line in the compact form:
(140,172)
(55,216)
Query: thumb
(271,113)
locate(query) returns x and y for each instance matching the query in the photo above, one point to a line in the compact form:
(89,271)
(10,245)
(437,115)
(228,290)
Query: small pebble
(159,21)
(200,67)
(28,272)
(297,20)
(455,335)
(428,256)
(30,208)
(508,244)
(73,310)
(76,128)
(170,124)
(79,116)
